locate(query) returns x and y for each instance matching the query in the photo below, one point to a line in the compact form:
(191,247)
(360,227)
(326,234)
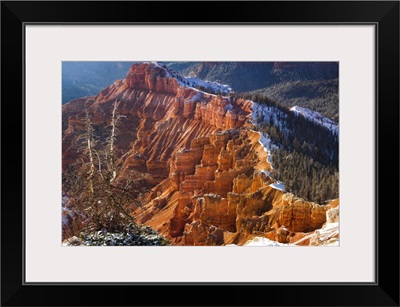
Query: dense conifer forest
(306,155)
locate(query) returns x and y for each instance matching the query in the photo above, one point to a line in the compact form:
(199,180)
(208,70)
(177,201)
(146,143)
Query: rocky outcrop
(158,118)
(151,78)
(300,216)
(222,198)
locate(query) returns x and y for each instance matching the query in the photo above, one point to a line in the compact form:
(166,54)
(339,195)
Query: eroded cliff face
(205,168)
(159,118)
(218,193)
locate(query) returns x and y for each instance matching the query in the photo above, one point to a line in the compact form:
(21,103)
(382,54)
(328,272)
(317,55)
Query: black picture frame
(383,14)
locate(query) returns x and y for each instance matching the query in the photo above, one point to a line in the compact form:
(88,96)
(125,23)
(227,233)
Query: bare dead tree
(98,193)
(114,123)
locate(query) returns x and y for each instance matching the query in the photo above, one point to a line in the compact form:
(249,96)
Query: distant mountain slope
(321,96)
(241,76)
(81,79)
(312,85)
(317,118)
(249,76)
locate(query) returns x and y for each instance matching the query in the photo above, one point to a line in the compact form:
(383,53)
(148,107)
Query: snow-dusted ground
(317,118)
(262,113)
(266,114)
(266,142)
(326,236)
(278,186)
(210,85)
(328,231)
(267,145)
(260,241)
(266,172)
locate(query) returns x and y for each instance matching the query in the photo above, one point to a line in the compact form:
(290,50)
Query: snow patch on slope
(260,241)
(316,117)
(328,232)
(267,145)
(279,185)
(266,142)
(213,86)
(266,114)
(263,113)
(266,172)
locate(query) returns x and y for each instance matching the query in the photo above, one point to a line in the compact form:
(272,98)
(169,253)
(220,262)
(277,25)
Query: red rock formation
(160,118)
(328,234)
(220,193)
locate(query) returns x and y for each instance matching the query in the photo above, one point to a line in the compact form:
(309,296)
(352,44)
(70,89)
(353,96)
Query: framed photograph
(250,150)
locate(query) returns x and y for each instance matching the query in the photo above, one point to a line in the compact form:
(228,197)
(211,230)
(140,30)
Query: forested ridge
(306,155)
(321,96)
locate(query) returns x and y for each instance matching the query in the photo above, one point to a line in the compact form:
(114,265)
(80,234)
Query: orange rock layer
(217,196)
